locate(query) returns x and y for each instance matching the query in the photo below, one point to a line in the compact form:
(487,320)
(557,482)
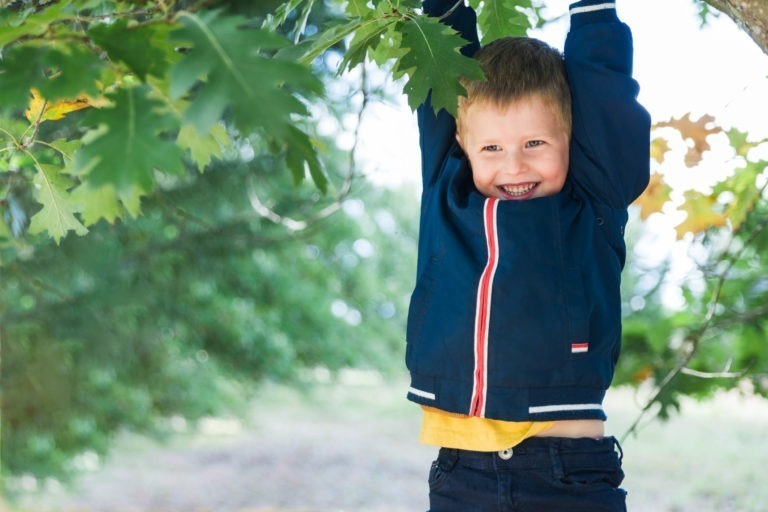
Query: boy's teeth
(518,190)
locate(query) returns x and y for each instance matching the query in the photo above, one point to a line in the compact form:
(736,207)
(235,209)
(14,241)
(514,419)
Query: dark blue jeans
(541,474)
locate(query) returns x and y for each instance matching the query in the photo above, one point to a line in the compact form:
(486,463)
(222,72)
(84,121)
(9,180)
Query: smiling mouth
(518,191)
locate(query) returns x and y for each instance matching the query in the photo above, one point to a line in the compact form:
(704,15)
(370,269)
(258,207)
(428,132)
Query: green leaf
(327,39)
(57,215)
(21,68)
(501,18)
(103,203)
(227,67)
(146,50)
(129,141)
(203,149)
(302,22)
(433,62)
(389,48)
(357,8)
(367,39)
(742,184)
(66,148)
(408,4)
(5,231)
(301,152)
(33,25)
(273,21)
(73,70)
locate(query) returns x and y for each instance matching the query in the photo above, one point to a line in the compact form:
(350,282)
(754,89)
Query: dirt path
(319,458)
(353,448)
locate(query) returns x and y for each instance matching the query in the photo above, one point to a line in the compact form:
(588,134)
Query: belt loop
(554,454)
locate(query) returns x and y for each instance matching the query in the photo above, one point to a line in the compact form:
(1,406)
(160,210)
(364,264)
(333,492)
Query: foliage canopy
(178,136)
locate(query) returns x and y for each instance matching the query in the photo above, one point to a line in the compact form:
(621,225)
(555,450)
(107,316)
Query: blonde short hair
(516,68)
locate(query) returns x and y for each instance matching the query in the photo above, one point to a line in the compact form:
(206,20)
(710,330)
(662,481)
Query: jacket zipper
(483,312)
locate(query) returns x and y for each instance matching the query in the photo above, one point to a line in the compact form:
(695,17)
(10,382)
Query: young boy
(514,327)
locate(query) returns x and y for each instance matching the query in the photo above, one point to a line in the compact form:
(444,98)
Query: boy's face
(516,152)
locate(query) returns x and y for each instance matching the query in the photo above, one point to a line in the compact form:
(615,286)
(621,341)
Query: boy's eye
(534,143)
(492,147)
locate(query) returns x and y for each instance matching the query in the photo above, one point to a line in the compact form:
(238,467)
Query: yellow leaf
(654,197)
(701,214)
(659,149)
(643,374)
(53,111)
(695,132)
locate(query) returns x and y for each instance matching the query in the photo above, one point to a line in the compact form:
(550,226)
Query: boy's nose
(514,163)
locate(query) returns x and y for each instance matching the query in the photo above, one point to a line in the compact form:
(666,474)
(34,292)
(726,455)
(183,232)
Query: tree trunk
(750,15)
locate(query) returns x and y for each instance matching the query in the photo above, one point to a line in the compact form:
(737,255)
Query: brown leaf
(655,196)
(643,374)
(695,132)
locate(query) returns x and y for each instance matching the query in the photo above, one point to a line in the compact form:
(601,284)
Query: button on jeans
(541,474)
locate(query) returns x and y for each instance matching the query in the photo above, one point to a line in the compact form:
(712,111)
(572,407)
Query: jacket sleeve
(610,144)
(437,130)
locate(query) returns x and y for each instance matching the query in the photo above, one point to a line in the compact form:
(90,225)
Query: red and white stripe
(483,311)
(579,348)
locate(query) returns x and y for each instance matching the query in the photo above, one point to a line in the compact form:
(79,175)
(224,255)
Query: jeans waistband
(539,452)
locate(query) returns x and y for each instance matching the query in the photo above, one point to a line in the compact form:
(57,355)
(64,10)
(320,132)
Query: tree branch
(725,374)
(751,16)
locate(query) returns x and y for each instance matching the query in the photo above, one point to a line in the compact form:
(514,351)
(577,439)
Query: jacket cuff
(592,11)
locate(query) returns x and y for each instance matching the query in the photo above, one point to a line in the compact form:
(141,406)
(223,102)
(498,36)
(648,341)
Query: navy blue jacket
(516,310)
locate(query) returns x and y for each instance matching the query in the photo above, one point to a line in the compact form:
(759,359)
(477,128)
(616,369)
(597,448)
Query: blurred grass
(351,445)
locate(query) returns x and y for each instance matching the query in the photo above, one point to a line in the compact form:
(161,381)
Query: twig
(26,142)
(450,11)
(725,374)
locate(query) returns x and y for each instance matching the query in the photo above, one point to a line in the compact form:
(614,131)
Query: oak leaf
(659,149)
(694,132)
(203,149)
(501,18)
(229,66)
(655,196)
(433,63)
(146,50)
(128,143)
(57,216)
(42,110)
(702,214)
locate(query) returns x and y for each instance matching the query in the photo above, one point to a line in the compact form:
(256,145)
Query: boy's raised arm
(611,131)
(461,18)
(437,129)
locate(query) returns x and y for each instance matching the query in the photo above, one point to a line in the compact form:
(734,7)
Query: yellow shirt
(451,430)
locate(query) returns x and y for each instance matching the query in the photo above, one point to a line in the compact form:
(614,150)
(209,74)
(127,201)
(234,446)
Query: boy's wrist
(592,11)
